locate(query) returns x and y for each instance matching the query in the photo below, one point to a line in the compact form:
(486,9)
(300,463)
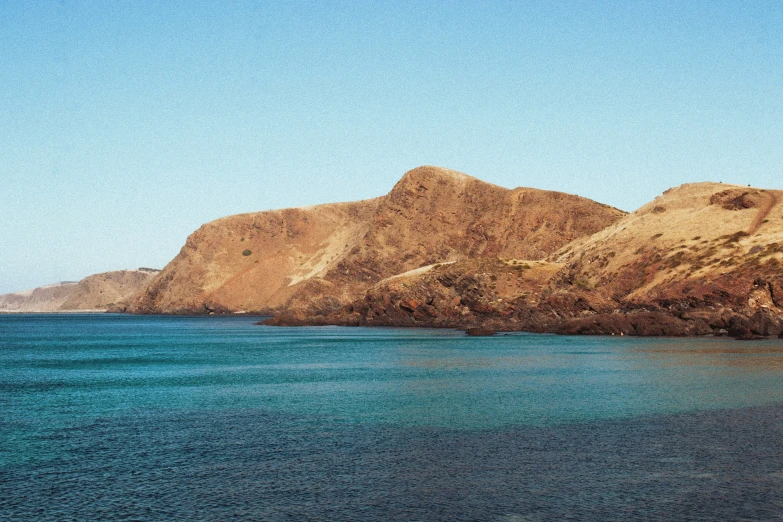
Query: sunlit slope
(317,259)
(703,242)
(700,259)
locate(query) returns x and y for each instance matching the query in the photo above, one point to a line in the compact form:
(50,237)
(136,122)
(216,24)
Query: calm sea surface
(113,417)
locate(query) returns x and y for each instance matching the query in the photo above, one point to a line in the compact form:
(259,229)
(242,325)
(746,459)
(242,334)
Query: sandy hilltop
(445,249)
(99,292)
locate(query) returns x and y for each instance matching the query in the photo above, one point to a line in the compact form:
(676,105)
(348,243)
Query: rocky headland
(443,249)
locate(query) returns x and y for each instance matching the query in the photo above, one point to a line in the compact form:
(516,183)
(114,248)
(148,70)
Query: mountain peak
(428,176)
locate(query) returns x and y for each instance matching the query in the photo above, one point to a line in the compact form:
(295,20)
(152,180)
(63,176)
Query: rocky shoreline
(504,295)
(642,323)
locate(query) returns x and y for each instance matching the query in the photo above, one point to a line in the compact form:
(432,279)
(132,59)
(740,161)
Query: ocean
(119,417)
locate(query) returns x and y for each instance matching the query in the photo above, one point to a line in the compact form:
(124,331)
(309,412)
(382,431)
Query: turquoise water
(134,417)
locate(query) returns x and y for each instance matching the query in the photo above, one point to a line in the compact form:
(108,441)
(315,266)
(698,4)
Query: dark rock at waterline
(480,332)
(644,324)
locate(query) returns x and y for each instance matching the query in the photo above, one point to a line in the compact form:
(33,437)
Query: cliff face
(96,292)
(315,260)
(435,215)
(700,259)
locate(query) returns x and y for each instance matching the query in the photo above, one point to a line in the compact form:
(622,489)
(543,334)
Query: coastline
(592,326)
(88,311)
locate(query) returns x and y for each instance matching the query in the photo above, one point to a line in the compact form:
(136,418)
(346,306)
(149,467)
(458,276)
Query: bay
(117,417)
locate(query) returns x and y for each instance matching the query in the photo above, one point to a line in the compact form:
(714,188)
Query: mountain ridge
(325,256)
(445,249)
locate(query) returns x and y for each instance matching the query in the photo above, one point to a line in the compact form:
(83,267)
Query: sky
(124,126)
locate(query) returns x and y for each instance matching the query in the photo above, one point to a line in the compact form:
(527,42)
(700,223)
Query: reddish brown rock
(297,256)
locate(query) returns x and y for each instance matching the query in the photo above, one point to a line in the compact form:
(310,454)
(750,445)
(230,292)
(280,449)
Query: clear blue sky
(126,125)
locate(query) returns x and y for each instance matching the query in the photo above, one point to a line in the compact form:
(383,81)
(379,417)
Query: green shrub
(582,282)
(246,253)
(735,237)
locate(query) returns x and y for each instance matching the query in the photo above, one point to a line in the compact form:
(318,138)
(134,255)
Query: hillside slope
(255,261)
(694,241)
(315,260)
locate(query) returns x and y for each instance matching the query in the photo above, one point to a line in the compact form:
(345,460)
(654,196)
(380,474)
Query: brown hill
(700,251)
(314,260)
(96,292)
(700,259)
(681,243)
(256,261)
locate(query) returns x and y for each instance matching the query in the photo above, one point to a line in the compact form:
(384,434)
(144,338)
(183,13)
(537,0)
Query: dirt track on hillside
(763,213)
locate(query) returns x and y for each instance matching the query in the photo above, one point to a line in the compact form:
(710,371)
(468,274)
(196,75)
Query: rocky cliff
(313,261)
